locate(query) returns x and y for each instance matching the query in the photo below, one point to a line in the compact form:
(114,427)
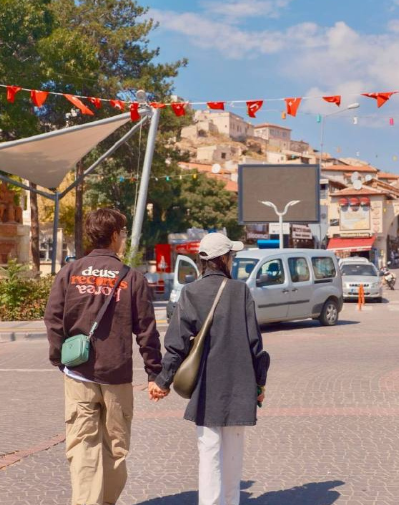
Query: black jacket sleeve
(260,358)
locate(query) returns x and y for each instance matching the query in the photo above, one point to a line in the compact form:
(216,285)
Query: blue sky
(269,49)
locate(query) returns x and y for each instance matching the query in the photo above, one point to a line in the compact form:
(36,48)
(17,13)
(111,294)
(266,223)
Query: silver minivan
(286,284)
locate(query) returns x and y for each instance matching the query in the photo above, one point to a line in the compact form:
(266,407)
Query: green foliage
(22,298)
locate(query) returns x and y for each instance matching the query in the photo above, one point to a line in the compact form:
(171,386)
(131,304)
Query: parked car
(356,273)
(286,284)
(352,259)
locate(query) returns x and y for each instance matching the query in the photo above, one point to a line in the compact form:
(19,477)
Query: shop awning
(351,244)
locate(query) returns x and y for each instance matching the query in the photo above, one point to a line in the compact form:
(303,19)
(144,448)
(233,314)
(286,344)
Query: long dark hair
(216,264)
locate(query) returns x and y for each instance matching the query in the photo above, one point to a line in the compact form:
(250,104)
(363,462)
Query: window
(299,269)
(275,272)
(185,269)
(242,268)
(223,156)
(323,268)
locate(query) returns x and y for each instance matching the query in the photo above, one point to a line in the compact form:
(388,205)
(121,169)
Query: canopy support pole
(55,232)
(145,178)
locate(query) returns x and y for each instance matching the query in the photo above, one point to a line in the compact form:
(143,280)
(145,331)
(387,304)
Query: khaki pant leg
(116,420)
(83,405)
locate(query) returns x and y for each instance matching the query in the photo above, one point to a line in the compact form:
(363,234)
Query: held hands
(155,393)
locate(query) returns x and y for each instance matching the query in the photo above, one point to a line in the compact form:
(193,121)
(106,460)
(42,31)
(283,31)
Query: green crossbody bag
(76,350)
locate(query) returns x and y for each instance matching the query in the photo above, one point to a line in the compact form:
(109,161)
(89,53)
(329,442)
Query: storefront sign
(354,218)
(191,247)
(301,232)
(274,228)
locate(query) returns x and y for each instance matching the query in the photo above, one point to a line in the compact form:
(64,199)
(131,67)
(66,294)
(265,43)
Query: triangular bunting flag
(38,97)
(157,105)
(179,108)
(216,105)
(333,99)
(118,104)
(134,111)
(292,105)
(11,92)
(79,104)
(380,97)
(95,101)
(253,107)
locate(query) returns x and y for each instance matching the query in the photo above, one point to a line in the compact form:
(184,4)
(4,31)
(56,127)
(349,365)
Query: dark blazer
(234,362)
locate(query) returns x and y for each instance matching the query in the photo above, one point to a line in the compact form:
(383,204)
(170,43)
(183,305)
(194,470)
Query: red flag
(157,105)
(11,92)
(292,105)
(38,97)
(179,108)
(95,101)
(333,99)
(216,105)
(79,104)
(134,111)
(253,107)
(118,104)
(380,97)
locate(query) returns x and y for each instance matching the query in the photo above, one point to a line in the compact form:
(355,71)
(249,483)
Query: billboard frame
(243,166)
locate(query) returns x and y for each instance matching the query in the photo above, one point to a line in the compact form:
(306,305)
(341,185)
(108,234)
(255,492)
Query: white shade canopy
(46,159)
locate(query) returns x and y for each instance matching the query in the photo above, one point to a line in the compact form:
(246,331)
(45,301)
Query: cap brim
(237,246)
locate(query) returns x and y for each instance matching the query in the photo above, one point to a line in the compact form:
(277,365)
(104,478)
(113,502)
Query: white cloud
(235,10)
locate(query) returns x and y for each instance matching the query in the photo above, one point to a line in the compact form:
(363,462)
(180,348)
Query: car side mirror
(263,280)
(189,278)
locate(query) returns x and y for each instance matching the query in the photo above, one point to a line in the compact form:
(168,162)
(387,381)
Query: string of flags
(136,178)
(39,97)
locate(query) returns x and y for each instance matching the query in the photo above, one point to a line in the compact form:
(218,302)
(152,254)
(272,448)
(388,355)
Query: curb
(13,336)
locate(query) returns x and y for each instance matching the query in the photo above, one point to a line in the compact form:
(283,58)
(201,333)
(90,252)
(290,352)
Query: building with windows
(275,135)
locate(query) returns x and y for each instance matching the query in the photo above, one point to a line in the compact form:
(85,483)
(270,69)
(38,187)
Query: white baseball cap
(214,245)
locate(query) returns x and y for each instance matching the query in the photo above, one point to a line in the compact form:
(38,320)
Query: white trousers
(221,451)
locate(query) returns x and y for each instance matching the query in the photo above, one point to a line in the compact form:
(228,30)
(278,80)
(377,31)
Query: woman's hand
(261,394)
(156,393)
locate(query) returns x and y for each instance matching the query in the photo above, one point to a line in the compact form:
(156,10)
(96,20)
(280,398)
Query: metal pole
(55,231)
(280,220)
(145,178)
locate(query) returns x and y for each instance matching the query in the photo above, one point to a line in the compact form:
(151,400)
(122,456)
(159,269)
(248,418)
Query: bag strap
(123,273)
(208,320)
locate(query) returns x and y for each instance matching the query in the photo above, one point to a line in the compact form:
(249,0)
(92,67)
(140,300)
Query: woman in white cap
(233,372)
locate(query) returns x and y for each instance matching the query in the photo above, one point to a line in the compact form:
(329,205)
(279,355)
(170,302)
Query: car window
(360,269)
(323,268)
(185,268)
(242,268)
(299,269)
(274,271)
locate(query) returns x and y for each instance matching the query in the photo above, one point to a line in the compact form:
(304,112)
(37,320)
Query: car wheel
(329,314)
(379,299)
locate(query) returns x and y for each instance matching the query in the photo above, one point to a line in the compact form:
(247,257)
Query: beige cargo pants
(98,420)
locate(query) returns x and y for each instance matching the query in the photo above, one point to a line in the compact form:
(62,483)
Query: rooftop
(266,125)
(348,168)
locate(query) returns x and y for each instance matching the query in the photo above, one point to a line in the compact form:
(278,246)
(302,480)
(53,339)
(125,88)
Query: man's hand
(156,393)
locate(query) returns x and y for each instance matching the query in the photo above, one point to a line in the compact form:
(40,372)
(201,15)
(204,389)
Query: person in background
(233,371)
(99,393)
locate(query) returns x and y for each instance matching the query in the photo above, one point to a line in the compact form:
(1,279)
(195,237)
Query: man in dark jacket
(98,393)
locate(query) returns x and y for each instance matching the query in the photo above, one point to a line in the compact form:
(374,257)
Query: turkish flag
(134,111)
(292,105)
(118,104)
(95,101)
(179,108)
(38,97)
(216,105)
(11,92)
(333,99)
(79,104)
(380,97)
(253,107)
(157,105)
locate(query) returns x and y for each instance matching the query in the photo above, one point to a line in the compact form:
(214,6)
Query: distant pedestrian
(98,393)
(233,371)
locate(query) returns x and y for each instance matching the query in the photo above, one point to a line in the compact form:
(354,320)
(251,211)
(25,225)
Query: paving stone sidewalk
(328,433)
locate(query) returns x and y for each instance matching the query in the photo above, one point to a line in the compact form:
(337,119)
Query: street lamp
(280,217)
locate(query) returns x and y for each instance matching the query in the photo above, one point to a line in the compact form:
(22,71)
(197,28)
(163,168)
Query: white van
(286,284)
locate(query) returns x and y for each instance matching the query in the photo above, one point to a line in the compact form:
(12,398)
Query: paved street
(328,433)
